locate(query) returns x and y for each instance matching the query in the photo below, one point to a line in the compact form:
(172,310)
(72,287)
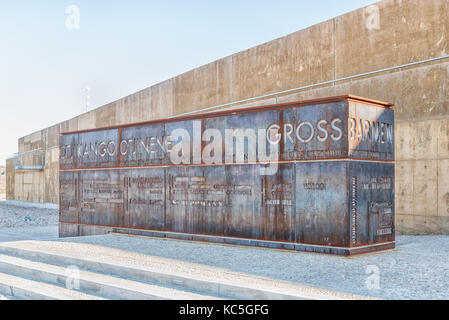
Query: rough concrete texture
(387,34)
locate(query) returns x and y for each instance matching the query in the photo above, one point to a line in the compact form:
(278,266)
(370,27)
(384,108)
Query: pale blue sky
(123,46)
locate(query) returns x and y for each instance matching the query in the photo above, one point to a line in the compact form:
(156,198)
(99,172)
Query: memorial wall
(380,52)
(315,175)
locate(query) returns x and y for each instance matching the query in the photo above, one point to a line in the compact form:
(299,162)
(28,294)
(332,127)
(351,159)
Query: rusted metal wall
(333,187)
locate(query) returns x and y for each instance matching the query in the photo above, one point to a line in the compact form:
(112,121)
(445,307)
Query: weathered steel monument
(395,51)
(310,176)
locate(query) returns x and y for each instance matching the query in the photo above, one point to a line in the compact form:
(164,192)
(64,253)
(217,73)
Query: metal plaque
(311,176)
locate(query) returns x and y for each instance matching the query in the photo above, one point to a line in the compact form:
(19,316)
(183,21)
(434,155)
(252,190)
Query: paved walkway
(417,269)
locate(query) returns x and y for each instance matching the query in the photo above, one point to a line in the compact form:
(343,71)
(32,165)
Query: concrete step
(22,288)
(228,285)
(5,298)
(95,283)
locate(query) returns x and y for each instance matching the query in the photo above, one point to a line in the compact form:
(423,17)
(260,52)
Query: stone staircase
(39,276)
(38,273)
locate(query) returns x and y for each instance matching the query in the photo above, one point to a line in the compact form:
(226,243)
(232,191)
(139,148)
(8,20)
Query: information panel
(310,176)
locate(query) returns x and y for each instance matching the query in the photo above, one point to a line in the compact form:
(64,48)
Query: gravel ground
(176,267)
(15,225)
(417,269)
(12,216)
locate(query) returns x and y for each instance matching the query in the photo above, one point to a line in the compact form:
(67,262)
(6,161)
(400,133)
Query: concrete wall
(408,31)
(2,183)
(10,179)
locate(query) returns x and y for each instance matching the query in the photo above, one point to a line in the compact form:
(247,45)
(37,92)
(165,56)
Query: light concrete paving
(417,269)
(28,233)
(18,216)
(348,45)
(27,223)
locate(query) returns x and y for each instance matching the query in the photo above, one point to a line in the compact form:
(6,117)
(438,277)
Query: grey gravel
(13,216)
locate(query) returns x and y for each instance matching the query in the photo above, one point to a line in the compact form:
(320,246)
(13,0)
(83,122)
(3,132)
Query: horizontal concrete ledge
(32,204)
(23,288)
(259,243)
